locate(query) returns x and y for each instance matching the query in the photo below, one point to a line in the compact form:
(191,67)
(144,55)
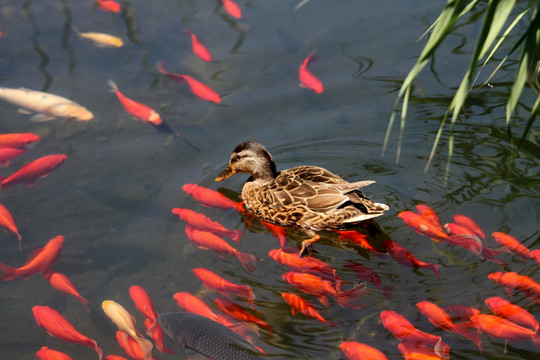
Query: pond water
(113,196)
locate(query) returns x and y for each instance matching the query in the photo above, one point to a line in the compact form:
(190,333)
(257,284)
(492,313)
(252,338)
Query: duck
(308,198)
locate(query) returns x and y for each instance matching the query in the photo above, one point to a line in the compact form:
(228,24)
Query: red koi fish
(8,153)
(423,225)
(61,283)
(130,346)
(204,223)
(109,6)
(430,214)
(497,327)
(512,280)
(140,112)
(114,357)
(40,260)
(210,241)
(403,330)
(512,312)
(291,258)
(56,325)
(406,258)
(278,231)
(34,170)
(313,284)
(17,140)
(7,222)
(366,274)
(511,245)
(416,351)
(297,303)
(48,354)
(232,9)
(199,49)
(199,89)
(357,238)
(307,79)
(213,281)
(211,198)
(440,318)
(471,225)
(358,351)
(238,313)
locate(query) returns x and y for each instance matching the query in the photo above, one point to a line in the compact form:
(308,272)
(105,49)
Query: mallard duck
(310,198)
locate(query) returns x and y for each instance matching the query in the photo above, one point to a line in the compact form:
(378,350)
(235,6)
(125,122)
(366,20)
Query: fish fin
(469,330)
(41,118)
(344,298)
(24,111)
(248,261)
(293,311)
(324,300)
(112,85)
(8,272)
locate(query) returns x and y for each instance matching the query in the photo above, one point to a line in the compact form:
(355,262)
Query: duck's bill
(225,174)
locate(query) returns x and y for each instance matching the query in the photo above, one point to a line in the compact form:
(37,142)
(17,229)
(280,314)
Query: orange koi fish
(7,222)
(48,354)
(430,214)
(213,281)
(8,153)
(211,198)
(366,274)
(497,327)
(56,325)
(423,225)
(238,313)
(307,79)
(232,9)
(140,112)
(199,49)
(473,226)
(512,312)
(512,280)
(199,89)
(126,323)
(278,231)
(511,245)
(33,170)
(61,283)
(291,258)
(203,222)
(358,351)
(406,258)
(440,318)
(313,284)
(210,241)
(297,303)
(109,6)
(191,303)
(403,330)
(417,351)
(40,260)
(17,140)
(130,346)
(357,238)
(114,357)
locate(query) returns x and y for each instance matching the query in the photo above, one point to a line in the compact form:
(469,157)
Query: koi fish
(61,283)
(33,170)
(403,330)
(232,9)
(278,231)
(297,303)
(56,325)
(40,260)
(140,112)
(210,241)
(511,245)
(199,49)
(17,140)
(126,323)
(109,6)
(213,281)
(101,39)
(48,354)
(358,351)
(114,357)
(430,214)
(366,274)
(423,225)
(497,327)
(130,346)
(357,238)
(7,222)
(471,225)
(512,280)
(307,264)
(440,318)
(206,337)
(211,198)
(462,236)
(512,312)
(307,79)
(204,223)
(46,106)
(313,284)
(416,351)
(238,313)
(8,153)
(406,258)
(199,89)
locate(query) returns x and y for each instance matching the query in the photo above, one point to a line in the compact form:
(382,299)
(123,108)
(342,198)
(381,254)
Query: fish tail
(469,330)
(84,302)
(442,349)
(188,32)
(312,57)
(8,272)
(434,268)
(345,298)
(160,68)
(146,347)
(113,86)
(247,260)
(97,349)
(236,235)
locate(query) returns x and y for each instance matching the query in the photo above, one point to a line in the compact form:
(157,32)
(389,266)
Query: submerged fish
(206,337)
(101,39)
(46,106)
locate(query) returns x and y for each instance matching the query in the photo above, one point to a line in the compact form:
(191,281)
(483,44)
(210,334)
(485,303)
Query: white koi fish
(101,39)
(45,106)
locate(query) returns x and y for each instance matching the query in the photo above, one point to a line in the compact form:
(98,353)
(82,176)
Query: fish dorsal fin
(34,254)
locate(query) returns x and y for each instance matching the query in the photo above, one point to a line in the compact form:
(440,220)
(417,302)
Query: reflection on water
(113,196)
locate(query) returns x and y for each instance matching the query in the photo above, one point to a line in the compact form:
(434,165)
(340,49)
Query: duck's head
(250,158)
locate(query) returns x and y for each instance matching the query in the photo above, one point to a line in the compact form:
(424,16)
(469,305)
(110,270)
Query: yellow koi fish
(101,39)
